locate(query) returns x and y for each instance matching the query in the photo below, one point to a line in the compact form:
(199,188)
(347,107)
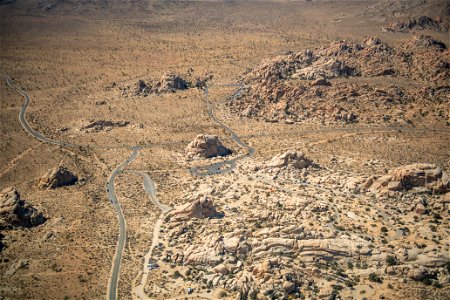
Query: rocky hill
(348,82)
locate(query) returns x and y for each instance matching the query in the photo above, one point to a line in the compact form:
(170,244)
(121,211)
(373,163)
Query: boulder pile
(57,177)
(206,146)
(169,83)
(316,86)
(427,176)
(16,212)
(290,158)
(103,125)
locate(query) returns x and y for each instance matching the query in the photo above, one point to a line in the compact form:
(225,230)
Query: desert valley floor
(224,149)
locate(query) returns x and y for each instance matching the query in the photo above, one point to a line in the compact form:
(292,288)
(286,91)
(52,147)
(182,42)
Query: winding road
(150,189)
(115,272)
(229,164)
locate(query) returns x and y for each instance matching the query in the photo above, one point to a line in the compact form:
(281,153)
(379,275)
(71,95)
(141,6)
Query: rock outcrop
(200,209)
(206,146)
(404,178)
(15,212)
(169,83)
(311,87)
(103,125)
(290,158)
(57,177)
(420,23)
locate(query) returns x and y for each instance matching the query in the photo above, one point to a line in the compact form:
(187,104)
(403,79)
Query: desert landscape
(228,149)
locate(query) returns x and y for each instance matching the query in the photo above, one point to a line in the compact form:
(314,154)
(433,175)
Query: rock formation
(201,208)
(290,158)
(404,178)
(420,23)
(303,86)
(103,125)
(206,146)
(57,177)
(169,83)
(15,212)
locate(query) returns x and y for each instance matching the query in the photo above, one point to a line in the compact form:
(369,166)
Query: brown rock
(288,286)
(16,212)
(57,177)
(411,176)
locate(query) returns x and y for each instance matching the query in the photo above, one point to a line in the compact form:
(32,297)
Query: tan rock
(290,158)
(206,146)
(201,208)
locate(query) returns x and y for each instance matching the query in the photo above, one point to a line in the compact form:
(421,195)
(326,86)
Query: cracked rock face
(15,212)
(206,146)
(57,177)
(201,208)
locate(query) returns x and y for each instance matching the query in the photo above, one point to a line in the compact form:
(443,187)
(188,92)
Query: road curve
(149,187)
(113,281)
(23,121)
(110,189)
(229,164)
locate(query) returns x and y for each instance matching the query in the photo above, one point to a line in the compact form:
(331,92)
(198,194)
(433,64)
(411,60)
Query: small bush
(391,260)
(375,278)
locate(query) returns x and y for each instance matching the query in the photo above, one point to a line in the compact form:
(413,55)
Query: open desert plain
(235,149)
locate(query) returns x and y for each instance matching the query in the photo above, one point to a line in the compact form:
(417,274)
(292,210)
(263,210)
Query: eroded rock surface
(404,178)
(16,212)
(57,177)
(206,146)
(340,83)
(290,158)
(200,209)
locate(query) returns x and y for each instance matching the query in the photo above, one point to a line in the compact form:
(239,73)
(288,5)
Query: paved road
(229,164)
(150,189)
(110,189)
(112,284)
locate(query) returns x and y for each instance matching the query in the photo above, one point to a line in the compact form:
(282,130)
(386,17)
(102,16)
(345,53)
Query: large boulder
(290,158)
(201,208)
(206,146)
(57,177)
(15,212)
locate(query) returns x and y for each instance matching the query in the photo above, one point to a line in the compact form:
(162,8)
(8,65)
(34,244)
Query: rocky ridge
(340,84)
(420,23)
